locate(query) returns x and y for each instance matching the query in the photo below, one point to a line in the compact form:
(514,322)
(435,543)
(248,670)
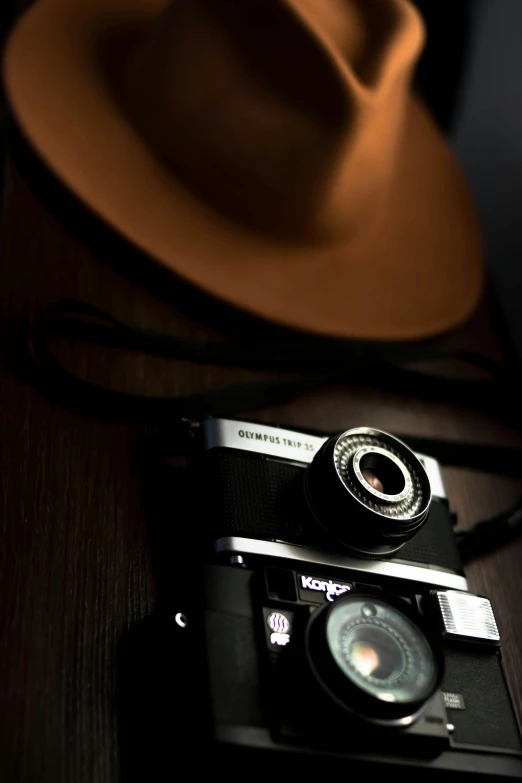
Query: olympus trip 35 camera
(333,623)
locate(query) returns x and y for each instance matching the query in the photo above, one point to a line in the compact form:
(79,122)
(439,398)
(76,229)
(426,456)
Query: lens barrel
(368,490)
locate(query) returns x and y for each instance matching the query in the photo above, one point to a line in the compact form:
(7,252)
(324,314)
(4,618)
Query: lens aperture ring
(413,500)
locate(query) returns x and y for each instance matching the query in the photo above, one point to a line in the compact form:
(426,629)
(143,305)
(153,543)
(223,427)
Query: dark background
(76,568)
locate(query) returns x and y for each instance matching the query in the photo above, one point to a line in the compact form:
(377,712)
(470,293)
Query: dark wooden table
(75,568)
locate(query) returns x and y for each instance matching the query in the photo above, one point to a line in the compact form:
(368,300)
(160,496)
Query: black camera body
(337,627)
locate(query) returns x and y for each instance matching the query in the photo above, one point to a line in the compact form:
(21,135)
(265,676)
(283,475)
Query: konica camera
(331,627)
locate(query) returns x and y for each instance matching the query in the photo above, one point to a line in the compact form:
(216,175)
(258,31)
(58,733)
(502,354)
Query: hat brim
(415,271)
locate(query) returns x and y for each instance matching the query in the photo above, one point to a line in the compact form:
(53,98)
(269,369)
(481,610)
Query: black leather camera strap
(306,363)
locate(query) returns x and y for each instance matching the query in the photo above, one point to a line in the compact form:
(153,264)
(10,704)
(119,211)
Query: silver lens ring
(350,451)
(386,497)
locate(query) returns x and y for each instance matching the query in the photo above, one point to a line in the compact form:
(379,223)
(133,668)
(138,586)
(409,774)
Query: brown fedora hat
(268,151)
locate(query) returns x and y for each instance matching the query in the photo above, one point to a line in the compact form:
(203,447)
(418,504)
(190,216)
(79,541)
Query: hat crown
(284,115)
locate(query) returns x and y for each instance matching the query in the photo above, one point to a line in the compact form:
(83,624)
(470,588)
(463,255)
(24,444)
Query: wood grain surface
(75,568)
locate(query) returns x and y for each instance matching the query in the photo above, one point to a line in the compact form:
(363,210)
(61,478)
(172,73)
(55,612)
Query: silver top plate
(288,444)
(262,439)
(234,545)
(467,616)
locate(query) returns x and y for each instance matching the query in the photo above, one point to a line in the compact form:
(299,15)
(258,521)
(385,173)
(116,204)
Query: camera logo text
(276,439)
(332,589)
(280,627)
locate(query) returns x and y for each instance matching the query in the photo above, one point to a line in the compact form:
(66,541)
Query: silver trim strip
(427,576)
(432,468)
(287,444)
(261,439)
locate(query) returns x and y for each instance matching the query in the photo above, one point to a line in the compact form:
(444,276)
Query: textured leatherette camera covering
(255,498)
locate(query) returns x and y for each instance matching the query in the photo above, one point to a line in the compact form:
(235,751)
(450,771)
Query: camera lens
(381,651)
(368,490)
(381,473)
(373,657)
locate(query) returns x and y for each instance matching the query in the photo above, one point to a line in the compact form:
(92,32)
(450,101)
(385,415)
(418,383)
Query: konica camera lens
(368,490)
(373,657)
